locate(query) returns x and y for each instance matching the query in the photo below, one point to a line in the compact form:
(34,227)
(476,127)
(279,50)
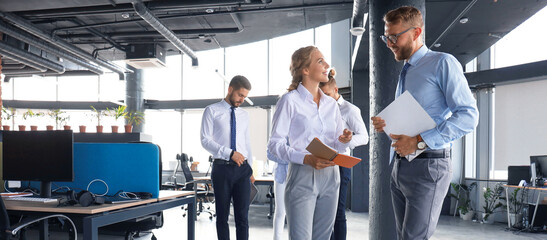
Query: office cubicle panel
(131,167)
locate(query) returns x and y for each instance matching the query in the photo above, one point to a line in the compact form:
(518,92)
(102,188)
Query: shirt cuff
(433,138)
(298,157)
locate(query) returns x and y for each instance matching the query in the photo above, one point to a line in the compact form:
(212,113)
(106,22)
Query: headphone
(84,198)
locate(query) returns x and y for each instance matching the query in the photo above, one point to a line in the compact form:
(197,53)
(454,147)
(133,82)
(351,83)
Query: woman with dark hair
(302,114)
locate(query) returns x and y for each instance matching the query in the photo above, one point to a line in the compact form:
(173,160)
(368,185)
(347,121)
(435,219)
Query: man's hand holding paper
(402,120)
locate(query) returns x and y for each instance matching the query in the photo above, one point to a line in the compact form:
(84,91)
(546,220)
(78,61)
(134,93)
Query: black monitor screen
(38,156)
(541,165)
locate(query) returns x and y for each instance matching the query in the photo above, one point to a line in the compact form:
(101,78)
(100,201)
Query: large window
(509,50)
(249,60)
(281,50)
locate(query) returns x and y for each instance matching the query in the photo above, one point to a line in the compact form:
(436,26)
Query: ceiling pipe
(145,14)
(123,8)
(99,34)
(12,66)
(358,17)
(29,27)
(19,60)
(24,37)
(25,70)
(117,35)
(76,73)
(170,17)
(30,58)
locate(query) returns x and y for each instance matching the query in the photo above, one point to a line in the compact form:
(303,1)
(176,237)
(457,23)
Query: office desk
(97,216)
(268,181)
(541,191)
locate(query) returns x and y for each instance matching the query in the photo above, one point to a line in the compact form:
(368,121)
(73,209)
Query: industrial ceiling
(85,36)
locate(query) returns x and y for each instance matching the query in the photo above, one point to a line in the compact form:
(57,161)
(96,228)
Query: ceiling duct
(358,17)
(142,56)
(24,37)
(29,58)
(147,16)
(29,27)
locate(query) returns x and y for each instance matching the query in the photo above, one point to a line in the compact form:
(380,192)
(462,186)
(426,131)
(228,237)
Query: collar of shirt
(340,100)
(415,58)
(307,96)
(226,104)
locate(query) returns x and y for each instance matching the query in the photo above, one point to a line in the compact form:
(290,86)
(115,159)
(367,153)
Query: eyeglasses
(393,38)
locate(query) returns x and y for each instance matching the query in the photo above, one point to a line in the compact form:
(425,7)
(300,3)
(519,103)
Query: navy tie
(233,129)
(402,79)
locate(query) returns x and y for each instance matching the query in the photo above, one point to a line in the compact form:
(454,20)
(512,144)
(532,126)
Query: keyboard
(33,199)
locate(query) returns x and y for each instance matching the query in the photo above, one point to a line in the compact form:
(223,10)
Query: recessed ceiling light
(464,20)
(209,10)
(436,45)
(125,15)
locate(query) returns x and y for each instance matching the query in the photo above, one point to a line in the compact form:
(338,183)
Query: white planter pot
(468,216)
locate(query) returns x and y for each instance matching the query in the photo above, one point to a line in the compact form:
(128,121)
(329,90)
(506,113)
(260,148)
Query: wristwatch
(421,143)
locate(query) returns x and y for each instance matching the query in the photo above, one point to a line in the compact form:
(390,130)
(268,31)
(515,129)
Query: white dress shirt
(298,119)
(351,115)
(215,131)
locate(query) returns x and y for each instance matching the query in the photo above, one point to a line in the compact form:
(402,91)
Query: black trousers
(231,182)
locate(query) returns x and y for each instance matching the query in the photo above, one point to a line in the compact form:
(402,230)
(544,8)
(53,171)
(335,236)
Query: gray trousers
(310,201)
(418,189)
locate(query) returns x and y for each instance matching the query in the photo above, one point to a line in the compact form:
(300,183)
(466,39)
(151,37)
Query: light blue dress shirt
(437,82)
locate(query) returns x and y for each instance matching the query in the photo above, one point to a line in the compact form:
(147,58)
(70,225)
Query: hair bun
(332,73)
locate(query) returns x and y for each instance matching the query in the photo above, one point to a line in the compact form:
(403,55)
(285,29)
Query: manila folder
(318,149)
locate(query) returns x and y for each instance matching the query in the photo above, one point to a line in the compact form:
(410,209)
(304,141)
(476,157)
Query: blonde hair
(405,14)
(300,59)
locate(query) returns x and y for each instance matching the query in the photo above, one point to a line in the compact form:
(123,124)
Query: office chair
(203,195)
(7,230)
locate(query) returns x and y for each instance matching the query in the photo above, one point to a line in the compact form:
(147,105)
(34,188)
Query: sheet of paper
(406,116)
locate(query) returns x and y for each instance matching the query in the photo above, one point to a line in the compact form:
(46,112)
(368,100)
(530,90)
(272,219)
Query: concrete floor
(449,228)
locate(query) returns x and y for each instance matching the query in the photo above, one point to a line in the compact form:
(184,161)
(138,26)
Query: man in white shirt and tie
(351,115)
(225,134)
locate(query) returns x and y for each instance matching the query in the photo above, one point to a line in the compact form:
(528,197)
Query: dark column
(133,90)
(384,71)
(360,97)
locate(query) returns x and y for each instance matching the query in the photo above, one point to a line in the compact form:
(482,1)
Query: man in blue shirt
(437,82)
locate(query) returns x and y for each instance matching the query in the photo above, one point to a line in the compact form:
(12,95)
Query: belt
(221,161)
(440,153)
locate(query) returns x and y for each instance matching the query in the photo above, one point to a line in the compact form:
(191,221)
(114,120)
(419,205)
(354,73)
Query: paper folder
(318,149)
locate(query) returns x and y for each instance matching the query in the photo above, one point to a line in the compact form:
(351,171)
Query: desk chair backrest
(186,171)
(4,221)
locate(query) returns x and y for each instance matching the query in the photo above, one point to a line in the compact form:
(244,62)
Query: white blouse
(298,120)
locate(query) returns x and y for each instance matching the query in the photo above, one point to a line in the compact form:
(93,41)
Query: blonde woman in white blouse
(305,112)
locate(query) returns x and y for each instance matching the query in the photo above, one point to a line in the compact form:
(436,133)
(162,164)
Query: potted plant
(98,114)
(462,192)
(60,119)
(25,116)
(117,113)
(7,114)
(492,202)
(515,205)
(31,114)
(133,117)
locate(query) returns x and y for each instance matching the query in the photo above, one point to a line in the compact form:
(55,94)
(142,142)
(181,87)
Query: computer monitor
(43,156)
(541,165)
